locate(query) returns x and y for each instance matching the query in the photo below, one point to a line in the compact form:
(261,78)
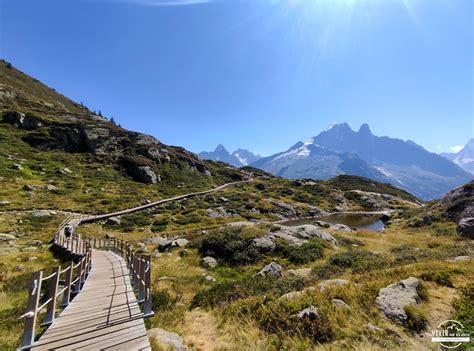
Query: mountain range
(464,158)
(341,150)
(238,158)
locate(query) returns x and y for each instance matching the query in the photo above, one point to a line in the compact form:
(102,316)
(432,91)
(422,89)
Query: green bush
(359,261)
(280,317)
(162,300)
(231,245)
(347,242)
(416,319)
(308,252)
(225,292)
(439,277)
(464,307)
(326,271)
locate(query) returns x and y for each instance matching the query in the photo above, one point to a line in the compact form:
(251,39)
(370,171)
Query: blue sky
(255,74)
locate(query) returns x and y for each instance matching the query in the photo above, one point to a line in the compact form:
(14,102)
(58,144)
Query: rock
(32,258)
(21,120)
(307,231)
(35,243)
(340,304)
(264,244)
(386,217)
(141,245)
(332,282)
(184,252)
(310,312)
(50,187)
(209,262)
(67,170)
(373,327)
(462,258)
(300,272)
(393,299)
(18,268)
(7,237)
(240,224)
(179,243)
(322,224)
(340,227)
(219,212)
(209,279)
(113,221)
(224,199)
(167,339)
(28,187)
(292,295)
(4,203)
(42,213)
(147,175)
(465,227)
(28,249)
(271,270)
(17,166)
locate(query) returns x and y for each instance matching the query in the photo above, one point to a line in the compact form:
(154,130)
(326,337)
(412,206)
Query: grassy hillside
(57,155)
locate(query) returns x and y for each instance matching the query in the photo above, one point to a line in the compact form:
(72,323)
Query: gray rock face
(301,272)
(340,304)
(20,120)
(264,244)
(340,227)
(209,262)
(113,221)
(395,297)
(146,174)
(462,258)
(35,243)
(465,227)
(219,212)
(271,270)
(308,231)
(7,237)
(167,339)
(42,213)
(28,187)
(293,295)
(310,312)
(179,242)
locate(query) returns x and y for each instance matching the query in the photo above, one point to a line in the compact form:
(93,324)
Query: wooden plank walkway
(104,316)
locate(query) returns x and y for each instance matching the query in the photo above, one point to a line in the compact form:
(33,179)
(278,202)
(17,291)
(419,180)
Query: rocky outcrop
(310,313)
(465,228)
(209,262)
(300,272)
(146,175)
(393,299)
(458,203)
(167,339)
(21,120)
(273,270)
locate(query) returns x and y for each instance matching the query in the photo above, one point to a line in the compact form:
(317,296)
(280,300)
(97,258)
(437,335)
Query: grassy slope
(96,184)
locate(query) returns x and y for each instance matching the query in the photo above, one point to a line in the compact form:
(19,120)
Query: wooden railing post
(32,310)
(147,306)
(141,279)
(67,292)
(52,291)
(77,286)
(94,243)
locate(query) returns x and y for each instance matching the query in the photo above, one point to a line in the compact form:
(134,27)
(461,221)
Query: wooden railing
(76,274)
(138,265)
(74,278)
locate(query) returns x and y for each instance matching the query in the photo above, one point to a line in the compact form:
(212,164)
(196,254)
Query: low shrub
(232,245)
(439,277)
(308,252)
(416,319)
(326,271)
(162,300)
(359,261)
(464,307)
(225,292)
(347,242)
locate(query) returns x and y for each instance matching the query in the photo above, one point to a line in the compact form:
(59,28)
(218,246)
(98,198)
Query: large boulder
(271,270)
(264,244)
(310,313)
(167,339)
(146,175)
(393,299)
(7,237)
(465,227)
(209,262)
(21,120)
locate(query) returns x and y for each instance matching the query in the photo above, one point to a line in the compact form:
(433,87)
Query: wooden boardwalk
(104,316)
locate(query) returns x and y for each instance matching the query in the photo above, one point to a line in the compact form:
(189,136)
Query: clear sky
(257,74)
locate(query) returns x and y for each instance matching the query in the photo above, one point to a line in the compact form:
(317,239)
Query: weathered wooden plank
(104,316)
